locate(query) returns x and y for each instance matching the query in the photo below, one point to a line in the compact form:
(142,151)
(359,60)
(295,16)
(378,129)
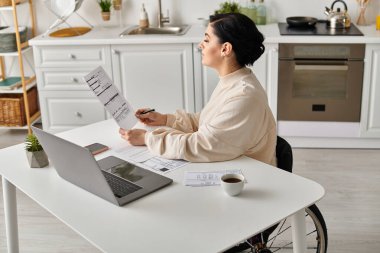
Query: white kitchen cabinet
(161,76)
(158,76)
(65,110)
(66,101)
(370,112)
(265,69)
(165,73)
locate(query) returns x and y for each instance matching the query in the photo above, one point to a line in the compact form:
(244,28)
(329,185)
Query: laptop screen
(127,171)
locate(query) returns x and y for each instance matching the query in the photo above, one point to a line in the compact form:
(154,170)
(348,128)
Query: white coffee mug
(232,184)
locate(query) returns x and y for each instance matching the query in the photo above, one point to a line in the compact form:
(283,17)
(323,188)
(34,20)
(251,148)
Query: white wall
(187,11)
(181,11)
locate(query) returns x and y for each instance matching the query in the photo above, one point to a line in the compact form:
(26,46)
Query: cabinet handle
(78,114)
(72,56)
(74,80)
(115,51)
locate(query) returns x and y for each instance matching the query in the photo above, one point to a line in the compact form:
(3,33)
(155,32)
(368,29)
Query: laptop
(110,178)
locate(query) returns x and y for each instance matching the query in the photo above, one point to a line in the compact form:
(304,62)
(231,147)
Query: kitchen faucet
(161,18)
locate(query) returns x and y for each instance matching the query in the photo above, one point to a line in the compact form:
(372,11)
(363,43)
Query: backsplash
(188,11)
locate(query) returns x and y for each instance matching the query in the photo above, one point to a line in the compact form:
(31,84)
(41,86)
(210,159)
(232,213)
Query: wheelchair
(278,238)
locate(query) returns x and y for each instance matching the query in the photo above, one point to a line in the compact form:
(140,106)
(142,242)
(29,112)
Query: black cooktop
(320,29)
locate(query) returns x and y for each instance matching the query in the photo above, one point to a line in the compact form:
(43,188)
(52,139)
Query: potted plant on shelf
(105,6)
(37,157)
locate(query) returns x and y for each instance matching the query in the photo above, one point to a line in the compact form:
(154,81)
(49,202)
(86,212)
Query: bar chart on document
(114,102)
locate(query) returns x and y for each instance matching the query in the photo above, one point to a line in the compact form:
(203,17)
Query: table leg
(10,212)
(299,231)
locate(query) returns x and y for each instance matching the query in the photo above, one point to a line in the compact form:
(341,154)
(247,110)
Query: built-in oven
(320,82)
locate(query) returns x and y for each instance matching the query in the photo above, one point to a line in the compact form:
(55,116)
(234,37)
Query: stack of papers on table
(142,156)
(193,178)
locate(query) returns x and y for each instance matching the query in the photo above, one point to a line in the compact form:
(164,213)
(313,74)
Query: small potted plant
(37,157)
(105,6)
(228,7)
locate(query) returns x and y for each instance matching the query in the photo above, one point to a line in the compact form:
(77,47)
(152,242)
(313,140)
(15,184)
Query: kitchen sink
(165,30)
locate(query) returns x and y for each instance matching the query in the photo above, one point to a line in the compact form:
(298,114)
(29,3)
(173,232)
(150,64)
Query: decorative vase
(362,8)
(37,159)
(106,16)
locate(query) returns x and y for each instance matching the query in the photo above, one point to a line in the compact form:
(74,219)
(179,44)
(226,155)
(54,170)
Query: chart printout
(114,102)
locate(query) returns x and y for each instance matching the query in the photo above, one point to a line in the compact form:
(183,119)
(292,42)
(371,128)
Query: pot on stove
(338,18)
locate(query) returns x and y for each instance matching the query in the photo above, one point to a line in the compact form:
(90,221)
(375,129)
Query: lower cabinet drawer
(65,79)
(67,110)
(62,79)
(72,56)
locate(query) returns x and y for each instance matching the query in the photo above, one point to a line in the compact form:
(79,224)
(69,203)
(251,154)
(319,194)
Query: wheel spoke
(283,243)
(280,231)
(311,232)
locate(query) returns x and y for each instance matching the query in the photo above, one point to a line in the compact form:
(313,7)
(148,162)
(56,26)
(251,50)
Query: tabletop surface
(192,219)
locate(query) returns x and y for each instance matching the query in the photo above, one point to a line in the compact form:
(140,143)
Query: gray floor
(351,206)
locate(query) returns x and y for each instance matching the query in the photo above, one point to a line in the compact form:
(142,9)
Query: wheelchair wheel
(316,234)
(279,237)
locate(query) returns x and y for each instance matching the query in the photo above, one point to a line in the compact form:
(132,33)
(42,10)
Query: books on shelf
(10,83)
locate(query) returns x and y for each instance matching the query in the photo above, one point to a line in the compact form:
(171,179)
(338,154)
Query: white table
(174,219)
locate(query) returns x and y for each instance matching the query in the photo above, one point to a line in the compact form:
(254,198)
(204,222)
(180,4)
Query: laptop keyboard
(120,187)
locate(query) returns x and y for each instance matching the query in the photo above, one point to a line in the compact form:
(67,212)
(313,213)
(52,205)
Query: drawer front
(67,110)
(72,56)
(66,79)
(62,79)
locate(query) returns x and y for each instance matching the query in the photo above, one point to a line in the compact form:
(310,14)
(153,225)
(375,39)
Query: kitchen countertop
(110,35)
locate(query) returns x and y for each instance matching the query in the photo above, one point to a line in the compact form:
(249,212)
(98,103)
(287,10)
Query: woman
(237,119)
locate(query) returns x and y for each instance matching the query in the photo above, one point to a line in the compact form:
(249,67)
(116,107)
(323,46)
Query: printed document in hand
(114,102)
(123,113)
(193,178)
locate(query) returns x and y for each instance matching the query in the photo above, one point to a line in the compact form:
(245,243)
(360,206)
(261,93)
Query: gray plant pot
(37,159)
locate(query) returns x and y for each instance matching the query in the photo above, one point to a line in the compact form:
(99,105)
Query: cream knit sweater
(236,121)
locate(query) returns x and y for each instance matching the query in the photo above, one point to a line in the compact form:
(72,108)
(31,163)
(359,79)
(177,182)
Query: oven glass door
(320,79)
(320,90)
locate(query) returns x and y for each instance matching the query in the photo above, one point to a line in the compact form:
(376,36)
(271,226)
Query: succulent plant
(32,144)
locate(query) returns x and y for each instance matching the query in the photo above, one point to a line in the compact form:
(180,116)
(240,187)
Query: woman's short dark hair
(242,33)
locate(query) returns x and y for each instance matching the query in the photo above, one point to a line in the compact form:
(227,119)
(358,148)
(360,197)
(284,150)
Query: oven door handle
(321,65)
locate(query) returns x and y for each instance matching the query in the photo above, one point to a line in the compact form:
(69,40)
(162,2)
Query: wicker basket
(7,2)
(12,109)
(8,39)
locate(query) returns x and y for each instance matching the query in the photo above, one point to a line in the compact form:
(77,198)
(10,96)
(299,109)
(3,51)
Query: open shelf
(15,53)
(28,82)
(20,90)
(34,118)
(10,8)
